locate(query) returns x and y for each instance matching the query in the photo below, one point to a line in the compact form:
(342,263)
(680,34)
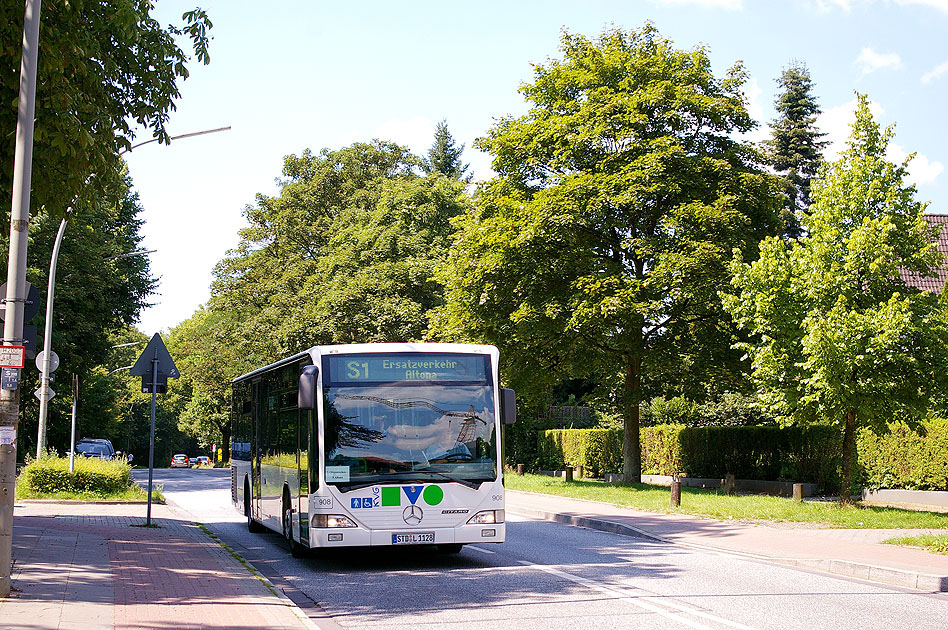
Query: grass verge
(133,493)
(716,504)
(934,543)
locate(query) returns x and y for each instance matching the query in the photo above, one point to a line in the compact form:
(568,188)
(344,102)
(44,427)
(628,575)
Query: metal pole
(16,279)
(151,441)
(72,433)
(47,345)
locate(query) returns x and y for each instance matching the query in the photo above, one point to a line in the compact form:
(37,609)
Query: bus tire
(451,548)
(252,526)
(296,550)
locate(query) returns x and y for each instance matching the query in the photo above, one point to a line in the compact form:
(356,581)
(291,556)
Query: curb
(847,568)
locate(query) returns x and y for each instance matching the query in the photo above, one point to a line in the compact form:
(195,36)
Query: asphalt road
(550,576)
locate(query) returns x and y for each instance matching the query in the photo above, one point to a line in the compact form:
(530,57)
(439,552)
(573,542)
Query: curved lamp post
(44,390)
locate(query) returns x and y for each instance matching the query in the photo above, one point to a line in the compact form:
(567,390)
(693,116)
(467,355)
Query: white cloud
(871,61)
(730,5)
(835,122)
(825,6)
(416,133)
(935,72)
(921,169)
(938,5)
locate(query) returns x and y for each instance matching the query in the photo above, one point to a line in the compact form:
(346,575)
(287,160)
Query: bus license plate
(414,538)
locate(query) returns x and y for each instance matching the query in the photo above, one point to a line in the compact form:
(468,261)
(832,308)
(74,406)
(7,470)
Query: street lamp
(44,393)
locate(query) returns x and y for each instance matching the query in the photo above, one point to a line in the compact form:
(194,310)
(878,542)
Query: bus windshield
(432,426)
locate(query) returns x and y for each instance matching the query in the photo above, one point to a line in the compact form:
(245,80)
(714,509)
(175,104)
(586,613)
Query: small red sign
(12,356)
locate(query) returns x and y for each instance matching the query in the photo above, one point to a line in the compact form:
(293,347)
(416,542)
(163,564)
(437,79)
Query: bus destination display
(371,368)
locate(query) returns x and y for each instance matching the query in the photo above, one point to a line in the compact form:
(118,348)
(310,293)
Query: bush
(50,475)
(803,454)
(520,440)
(596,450)
(905,458)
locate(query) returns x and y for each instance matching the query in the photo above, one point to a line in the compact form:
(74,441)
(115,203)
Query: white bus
(373,444)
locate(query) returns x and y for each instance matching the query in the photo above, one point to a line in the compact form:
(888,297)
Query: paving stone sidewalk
(92,567)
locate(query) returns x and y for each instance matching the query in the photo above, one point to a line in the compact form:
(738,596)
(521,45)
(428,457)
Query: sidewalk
(851,552)
(87,567)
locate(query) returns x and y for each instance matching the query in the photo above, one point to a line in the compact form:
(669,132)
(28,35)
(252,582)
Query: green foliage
(444,157)
(599,249)
(50,475)
(346,253)
(838,335)
(596,450)
(104,71)
(95,296)
(795,148)
(677,410)
(905,458)
(802,454)
(661,449)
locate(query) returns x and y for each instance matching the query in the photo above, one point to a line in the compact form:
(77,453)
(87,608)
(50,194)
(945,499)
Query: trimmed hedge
(597,450)
(803,454)
(905,458)
(50,475)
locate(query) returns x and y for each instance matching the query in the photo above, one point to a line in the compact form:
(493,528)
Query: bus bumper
(360,537)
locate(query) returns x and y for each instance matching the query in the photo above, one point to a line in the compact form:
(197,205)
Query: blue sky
(291,75)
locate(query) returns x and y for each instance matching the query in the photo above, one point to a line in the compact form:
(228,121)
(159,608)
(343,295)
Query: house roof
(936,282)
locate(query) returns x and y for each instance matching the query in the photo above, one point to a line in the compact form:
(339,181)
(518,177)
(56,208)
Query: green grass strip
(716,504)
(931,542)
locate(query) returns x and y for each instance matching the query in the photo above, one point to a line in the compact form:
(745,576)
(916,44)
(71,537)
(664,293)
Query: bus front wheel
(252,526)
(452,548)
(296,550)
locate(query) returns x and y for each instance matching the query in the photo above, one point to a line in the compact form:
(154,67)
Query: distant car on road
(201,460)
(180,461)
(92,447)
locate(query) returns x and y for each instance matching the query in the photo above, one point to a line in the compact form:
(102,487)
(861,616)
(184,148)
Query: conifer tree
(795,147)
(444,157)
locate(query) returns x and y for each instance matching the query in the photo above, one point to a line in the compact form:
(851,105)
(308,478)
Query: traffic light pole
(16,280)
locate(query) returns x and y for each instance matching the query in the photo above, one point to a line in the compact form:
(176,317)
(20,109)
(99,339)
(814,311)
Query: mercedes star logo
(412,515)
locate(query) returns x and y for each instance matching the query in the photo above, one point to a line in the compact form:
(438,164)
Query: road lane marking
(645,602)
(481,550)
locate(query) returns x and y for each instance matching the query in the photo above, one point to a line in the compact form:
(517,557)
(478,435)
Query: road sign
(9,378)
(53,360)
(30,307)
(155,350)
(12,356)
(41,391)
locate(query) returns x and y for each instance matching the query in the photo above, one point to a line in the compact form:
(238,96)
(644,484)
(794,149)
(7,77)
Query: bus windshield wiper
(431,471)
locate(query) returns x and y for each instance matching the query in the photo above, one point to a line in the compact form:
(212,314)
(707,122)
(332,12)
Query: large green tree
(840,337)
(106,71)
(346,253)
(598,250)
(96,295)
(795,148)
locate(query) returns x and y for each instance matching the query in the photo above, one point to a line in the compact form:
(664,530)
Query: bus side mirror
(508,406)
(307,394)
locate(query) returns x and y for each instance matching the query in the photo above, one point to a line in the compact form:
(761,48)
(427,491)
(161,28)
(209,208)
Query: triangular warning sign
(155,350)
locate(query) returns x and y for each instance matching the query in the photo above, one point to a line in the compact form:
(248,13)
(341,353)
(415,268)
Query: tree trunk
(631,440)
(849,440)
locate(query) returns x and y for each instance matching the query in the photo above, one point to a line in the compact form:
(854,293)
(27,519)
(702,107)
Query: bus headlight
(487,516)
(332,520)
